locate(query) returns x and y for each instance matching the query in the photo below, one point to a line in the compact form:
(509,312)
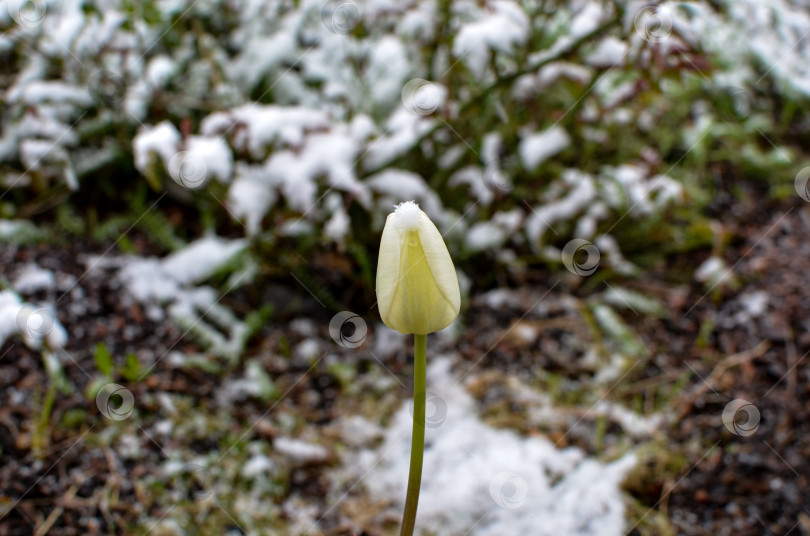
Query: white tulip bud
(417,286)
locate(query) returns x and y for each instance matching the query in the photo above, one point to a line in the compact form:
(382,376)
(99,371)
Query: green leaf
(103,359)
(344,373)
(132,371)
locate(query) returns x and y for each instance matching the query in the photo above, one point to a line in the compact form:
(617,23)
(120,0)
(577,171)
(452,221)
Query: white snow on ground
(754,303)
(534,83)
(171,282)
(633,300)
(201,157)
(300,451)
(14,229)
(609,249)
(307,350)
(387,342)
(713,271)
(9,307)
(200,259)
(339,225)
(538,147)
(32,278)
(581,198)
(476,180)
(629,187)
(483,481)
(258,465)
(36,324)
(262,53)
(161,279)
(332,154)
(631,422)
(498,298)
(751,306)
(160,70)
(773,32)
(256,383)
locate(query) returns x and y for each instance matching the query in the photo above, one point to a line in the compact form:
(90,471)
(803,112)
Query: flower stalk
(417,293)
(418,436)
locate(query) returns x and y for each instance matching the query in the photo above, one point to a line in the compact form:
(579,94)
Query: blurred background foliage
(517,126)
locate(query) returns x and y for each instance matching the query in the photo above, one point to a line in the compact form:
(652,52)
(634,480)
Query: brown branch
(689,399)
(46,525)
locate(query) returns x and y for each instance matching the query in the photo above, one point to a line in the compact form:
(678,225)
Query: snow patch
(250,196)
(408,215)
(213,154)
(491,234)
(31,278)
(500,28)
(300,451)
(501,483)
(395,186)
(713,271)
(582,192)
(162,139)
(257,128)
(539,147)
(610,52)
(201,259)
(171,282)
(36,324)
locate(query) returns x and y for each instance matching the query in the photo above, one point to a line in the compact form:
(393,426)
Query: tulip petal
(441,264)
(388,268)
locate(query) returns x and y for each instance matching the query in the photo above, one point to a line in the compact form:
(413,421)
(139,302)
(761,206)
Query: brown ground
(714,483)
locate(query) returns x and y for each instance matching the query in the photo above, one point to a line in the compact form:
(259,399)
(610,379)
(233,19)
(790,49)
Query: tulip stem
(418,437)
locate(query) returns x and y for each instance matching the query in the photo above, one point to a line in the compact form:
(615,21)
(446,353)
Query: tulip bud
(417,286)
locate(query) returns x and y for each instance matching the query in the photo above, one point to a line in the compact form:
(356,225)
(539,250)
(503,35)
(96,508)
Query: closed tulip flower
(417,292)
(417,286)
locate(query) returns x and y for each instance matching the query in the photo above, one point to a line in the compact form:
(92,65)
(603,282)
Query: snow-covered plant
(516,125)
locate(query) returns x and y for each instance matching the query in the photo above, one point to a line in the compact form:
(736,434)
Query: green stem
(418,437)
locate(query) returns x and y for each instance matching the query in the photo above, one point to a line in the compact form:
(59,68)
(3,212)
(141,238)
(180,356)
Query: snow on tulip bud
(417,286)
